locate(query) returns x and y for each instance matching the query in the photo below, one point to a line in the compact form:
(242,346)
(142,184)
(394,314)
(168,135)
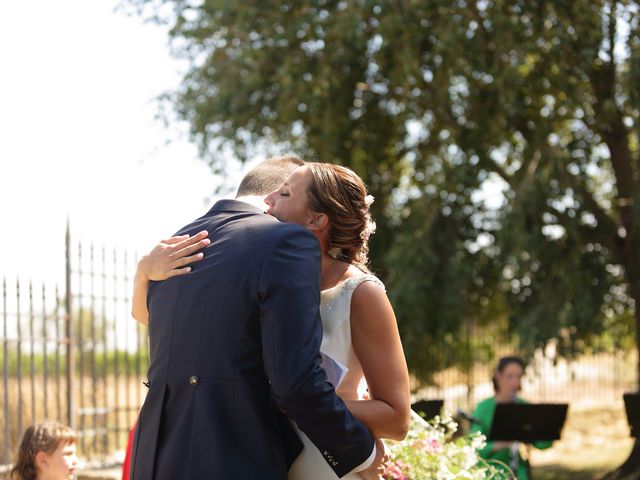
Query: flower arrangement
(432,451)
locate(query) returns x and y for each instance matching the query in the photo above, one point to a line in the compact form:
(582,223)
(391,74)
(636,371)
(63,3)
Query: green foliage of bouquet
(431,451)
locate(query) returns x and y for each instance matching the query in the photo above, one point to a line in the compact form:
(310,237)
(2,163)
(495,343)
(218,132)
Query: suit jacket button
(193,380)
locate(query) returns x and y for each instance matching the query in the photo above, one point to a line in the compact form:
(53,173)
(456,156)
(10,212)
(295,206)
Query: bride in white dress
(336,342)
(359,326)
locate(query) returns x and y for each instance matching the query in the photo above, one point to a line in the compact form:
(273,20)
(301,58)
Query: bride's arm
(166,260)
(376,342)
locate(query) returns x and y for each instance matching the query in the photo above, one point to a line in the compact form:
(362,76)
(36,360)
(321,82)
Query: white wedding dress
(335,310)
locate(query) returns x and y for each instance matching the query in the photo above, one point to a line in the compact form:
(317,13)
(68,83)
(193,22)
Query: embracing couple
(239,306)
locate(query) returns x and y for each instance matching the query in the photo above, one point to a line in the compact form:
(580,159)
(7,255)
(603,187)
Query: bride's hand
(170,257)
(377,468)
(166,260)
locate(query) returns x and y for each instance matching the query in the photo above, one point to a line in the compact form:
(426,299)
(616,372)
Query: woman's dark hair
(502,364)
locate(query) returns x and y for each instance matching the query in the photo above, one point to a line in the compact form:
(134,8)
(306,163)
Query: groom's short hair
(267,176)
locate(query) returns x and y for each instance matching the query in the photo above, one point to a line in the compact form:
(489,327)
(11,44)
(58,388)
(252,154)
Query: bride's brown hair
(341,194)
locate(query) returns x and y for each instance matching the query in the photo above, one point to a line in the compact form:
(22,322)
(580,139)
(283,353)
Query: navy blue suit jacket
(233,344)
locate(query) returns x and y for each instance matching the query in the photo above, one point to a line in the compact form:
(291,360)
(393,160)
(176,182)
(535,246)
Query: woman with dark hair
(506,384)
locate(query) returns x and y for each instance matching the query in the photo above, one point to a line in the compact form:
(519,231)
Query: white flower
(417,457)
(368,200)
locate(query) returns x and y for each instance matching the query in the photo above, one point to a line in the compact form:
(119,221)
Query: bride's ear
(318,221)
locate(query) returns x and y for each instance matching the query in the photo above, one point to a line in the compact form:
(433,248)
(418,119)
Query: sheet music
(335,370)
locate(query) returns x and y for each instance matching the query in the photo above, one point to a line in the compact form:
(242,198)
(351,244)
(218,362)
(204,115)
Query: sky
(79,139)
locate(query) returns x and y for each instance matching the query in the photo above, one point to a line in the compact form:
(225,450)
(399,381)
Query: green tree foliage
(434,103)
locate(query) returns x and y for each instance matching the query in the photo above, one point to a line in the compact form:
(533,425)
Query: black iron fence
(74,354)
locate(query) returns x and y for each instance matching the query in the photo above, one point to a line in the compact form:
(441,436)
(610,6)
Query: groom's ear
(318,221)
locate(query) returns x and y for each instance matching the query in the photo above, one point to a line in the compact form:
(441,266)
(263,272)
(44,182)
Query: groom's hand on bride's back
(379,465)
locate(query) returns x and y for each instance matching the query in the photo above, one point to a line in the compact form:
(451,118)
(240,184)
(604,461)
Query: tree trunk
(630,469)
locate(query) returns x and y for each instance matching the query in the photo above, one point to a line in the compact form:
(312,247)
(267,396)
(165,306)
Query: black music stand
(428,409)
(632,406)
(528,422)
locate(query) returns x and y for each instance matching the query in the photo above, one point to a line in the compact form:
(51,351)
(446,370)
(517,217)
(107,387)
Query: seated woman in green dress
(506,383)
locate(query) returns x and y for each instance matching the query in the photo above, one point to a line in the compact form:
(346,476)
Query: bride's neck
(332,271)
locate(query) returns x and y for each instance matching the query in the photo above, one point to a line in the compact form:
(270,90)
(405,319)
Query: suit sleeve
(291,336)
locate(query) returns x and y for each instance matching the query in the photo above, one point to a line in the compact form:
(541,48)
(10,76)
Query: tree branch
(608,224)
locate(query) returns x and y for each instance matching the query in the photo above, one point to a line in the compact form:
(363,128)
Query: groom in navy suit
(235,350)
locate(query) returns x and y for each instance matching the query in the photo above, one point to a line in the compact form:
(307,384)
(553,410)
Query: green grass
(109,363)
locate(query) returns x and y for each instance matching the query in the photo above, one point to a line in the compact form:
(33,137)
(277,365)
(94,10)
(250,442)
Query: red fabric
(126,465)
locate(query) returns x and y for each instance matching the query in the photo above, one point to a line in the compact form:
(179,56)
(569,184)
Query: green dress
(484,414)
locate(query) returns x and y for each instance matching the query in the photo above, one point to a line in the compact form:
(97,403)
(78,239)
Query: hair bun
(341,194)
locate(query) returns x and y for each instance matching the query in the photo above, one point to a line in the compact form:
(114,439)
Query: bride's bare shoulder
(366,288)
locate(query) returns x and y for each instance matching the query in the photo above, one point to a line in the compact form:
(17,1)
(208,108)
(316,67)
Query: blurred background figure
(506,384)
(47,452)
